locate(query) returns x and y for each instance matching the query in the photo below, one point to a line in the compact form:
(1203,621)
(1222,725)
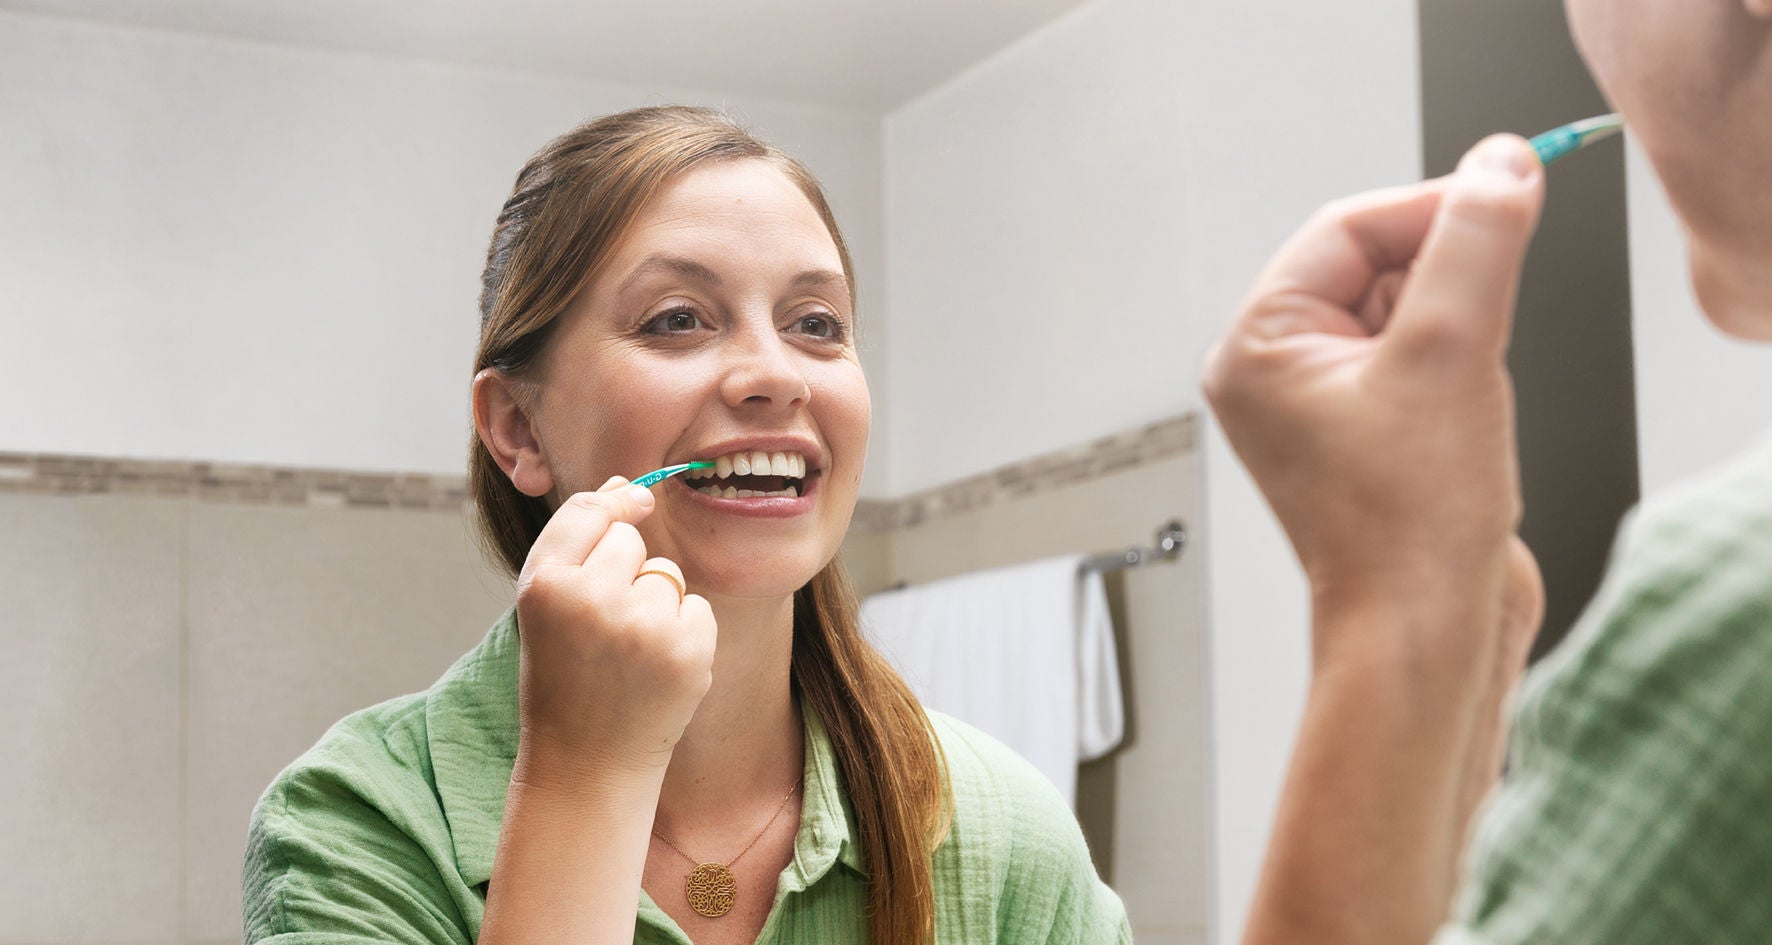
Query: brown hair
(570,207)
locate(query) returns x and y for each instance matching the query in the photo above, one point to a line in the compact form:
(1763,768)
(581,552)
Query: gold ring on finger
(676,582)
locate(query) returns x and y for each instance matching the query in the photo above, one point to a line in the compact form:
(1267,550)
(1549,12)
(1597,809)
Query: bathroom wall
(1037,219)
(168,655)
(240,251)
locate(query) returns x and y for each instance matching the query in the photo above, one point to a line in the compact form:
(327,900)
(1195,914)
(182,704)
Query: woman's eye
(673,322)
(818,326)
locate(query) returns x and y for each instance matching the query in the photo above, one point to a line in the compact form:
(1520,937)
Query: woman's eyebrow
(675,265)
(690,269)
(820,277)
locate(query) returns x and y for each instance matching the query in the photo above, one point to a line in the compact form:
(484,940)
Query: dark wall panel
(1511,65)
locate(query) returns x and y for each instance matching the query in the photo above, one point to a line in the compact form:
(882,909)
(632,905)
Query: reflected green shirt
(1637,809)
(385,831)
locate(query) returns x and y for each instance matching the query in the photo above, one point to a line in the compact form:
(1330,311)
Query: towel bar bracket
(1170,541)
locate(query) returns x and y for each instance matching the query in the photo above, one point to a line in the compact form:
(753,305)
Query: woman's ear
(508,433)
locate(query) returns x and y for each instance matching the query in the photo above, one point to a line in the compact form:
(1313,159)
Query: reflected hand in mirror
(1364,385)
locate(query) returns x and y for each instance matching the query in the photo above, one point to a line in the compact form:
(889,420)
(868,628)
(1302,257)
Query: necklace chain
(732,862)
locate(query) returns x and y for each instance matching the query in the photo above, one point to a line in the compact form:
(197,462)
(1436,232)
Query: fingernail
(1505,156)
(611,483)
(641,495)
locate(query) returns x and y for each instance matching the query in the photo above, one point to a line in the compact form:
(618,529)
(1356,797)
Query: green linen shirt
(1637,809)
(385,831)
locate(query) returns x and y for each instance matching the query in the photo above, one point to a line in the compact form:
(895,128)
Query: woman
(622,760)
(1366,388)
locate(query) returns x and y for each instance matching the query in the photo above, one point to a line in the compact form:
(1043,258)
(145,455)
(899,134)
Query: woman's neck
(746,738)
(1734,285)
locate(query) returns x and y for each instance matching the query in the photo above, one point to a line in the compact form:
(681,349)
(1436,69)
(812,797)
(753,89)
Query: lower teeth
(730,492)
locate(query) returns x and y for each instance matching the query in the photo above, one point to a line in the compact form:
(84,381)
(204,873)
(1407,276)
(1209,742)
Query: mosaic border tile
(50,474)
(1118,452)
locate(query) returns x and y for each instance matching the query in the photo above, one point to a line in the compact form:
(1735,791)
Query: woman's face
(721,328)
(1693,79)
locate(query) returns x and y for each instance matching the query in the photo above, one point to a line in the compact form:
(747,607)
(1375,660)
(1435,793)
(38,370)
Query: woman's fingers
(611,566)
(582,520)
(1336,259)
(616,656)
(1362,384)
(661,579)
(1446,252)
(1458,301)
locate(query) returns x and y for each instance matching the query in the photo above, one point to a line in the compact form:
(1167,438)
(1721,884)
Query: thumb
(1458,301)
(632,503)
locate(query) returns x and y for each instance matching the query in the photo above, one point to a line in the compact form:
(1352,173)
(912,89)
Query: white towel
(1025,653)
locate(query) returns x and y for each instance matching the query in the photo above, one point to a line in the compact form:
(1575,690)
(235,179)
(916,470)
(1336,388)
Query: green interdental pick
(657,476)
(1574,136)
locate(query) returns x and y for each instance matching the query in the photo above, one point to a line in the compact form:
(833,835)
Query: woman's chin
(751,580)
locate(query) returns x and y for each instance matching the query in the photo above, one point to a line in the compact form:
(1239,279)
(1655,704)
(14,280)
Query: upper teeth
(755,463)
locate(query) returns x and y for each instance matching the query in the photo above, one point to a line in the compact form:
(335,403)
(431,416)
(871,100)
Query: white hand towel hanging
(1024,653)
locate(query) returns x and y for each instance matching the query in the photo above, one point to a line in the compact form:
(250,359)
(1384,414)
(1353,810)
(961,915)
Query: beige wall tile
(936,548)
(89,794)
(868,556)
(298,617)
(1163,935)
(1162,872)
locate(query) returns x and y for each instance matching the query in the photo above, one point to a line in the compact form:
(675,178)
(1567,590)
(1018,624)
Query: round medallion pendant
(711,889)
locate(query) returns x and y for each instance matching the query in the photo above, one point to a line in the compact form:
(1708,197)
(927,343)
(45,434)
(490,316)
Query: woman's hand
(614,662)
(1365,387)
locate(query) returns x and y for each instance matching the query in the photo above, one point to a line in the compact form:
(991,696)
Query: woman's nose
(764,371)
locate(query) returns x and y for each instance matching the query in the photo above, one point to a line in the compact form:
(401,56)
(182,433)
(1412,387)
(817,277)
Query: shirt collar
(827,821)
(471,723)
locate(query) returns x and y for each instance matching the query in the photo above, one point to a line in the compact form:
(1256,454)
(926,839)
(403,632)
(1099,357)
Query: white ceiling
(869,54)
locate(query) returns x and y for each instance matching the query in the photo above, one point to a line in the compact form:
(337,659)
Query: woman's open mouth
(752,474)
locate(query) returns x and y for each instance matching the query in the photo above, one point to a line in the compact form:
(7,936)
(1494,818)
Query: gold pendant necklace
(710,887)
